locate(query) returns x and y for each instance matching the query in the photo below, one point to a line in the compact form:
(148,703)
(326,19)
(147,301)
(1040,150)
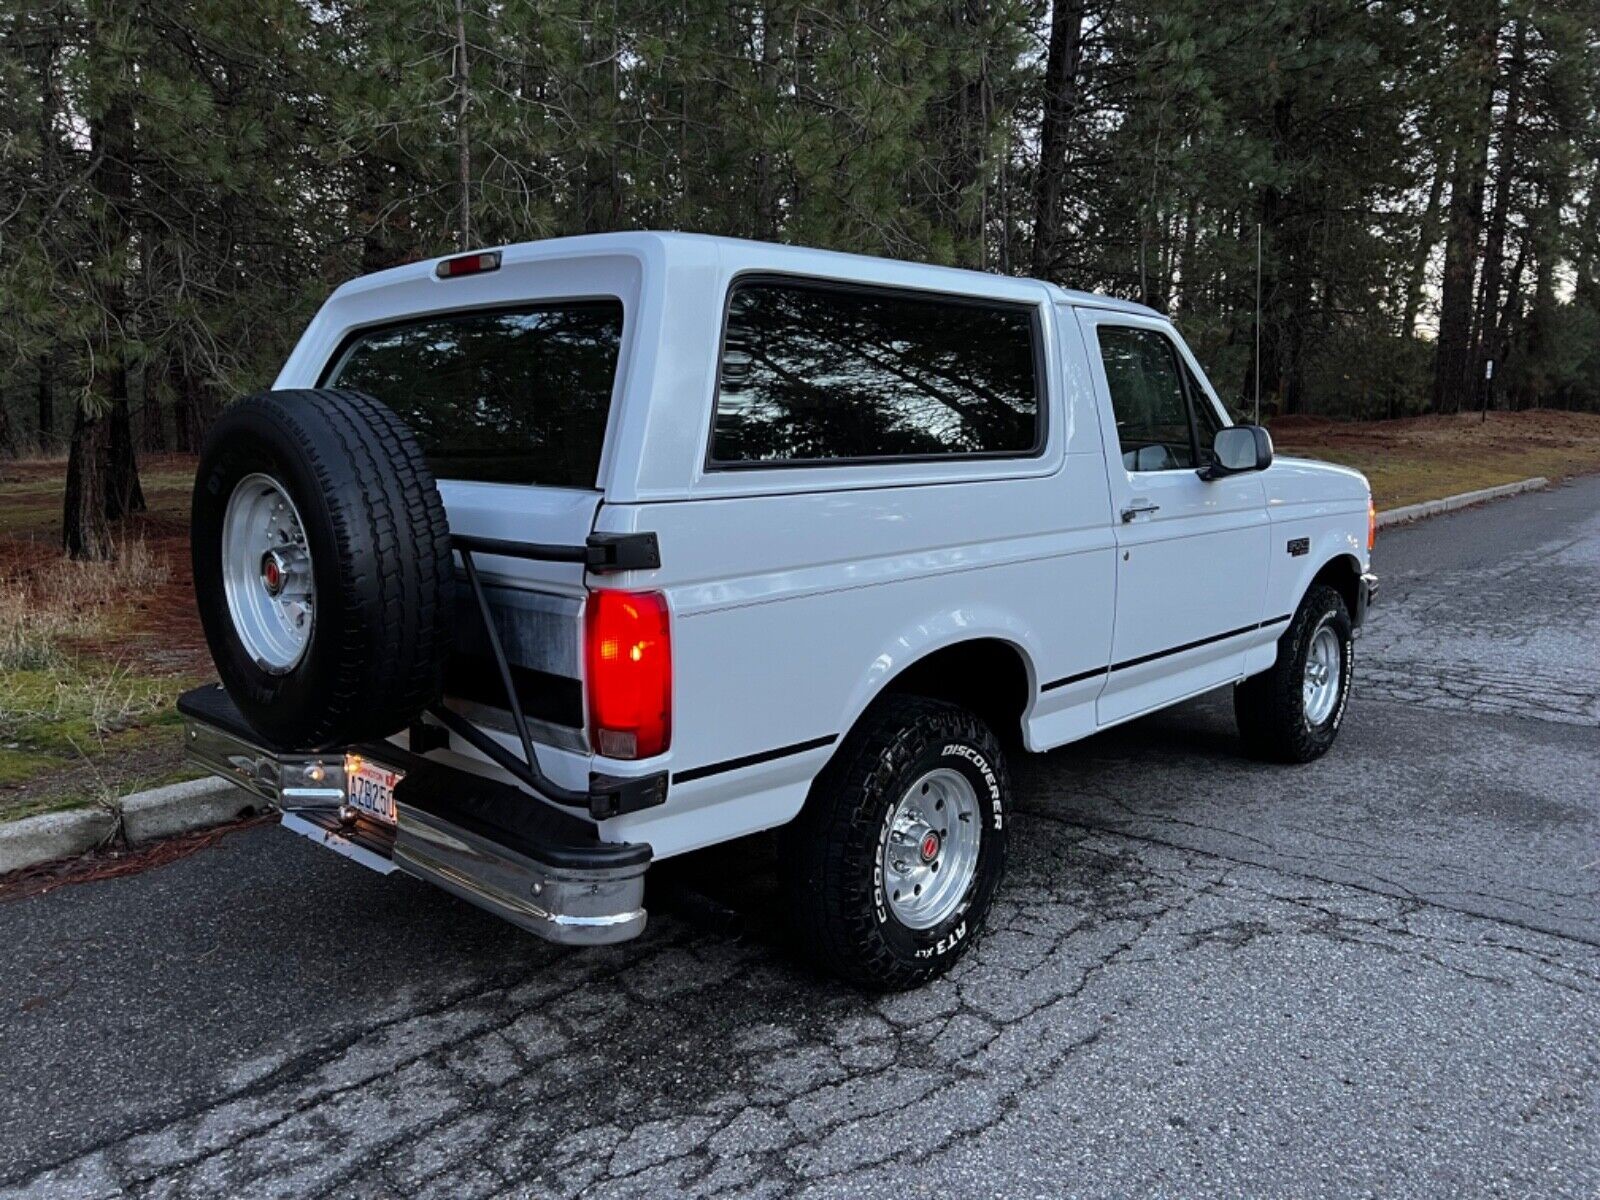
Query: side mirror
(1237,449)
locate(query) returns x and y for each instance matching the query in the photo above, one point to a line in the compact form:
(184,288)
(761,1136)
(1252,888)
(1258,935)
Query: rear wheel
(1292,712)
(322,566)
(901,845)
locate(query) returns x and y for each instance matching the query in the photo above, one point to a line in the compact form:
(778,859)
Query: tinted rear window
(816,373)
(505,397)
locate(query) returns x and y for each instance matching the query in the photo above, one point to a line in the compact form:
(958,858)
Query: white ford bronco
(542,563)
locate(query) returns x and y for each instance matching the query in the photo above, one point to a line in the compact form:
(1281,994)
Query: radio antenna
(1257,371)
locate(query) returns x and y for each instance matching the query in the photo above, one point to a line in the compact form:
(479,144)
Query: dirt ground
(1424,458)
(91,716)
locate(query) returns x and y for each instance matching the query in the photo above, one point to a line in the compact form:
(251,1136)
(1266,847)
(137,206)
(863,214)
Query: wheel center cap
(272,573)
(930,846)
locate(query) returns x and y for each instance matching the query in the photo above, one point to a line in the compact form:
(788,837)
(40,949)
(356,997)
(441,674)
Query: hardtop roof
(741,254)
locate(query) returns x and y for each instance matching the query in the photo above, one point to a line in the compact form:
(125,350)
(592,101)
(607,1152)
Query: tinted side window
(508,397)
(1206,421)
(817,373)
(1147,398)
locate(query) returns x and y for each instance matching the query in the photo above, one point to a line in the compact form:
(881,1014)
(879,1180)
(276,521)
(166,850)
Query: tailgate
(537,608)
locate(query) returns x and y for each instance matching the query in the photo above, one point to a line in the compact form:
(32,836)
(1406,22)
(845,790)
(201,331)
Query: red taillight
(468,264)
(1372,524)
(628,653)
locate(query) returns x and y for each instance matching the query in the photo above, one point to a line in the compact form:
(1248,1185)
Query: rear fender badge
(1299,546)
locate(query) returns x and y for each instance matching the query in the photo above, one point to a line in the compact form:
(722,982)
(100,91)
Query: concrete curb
(1432,508)
(53,835)
(183,807)
(142,817)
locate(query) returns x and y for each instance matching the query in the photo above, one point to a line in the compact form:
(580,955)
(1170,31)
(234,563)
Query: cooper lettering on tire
(322,566)
(901,845)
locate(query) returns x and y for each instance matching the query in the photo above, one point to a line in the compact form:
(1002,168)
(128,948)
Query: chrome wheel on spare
(931,854)
(266,574)
(1324,661)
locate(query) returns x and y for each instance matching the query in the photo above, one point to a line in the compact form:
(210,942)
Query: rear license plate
(371,790)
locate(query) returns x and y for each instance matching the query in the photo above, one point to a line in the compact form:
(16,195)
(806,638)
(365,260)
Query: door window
(1150,400)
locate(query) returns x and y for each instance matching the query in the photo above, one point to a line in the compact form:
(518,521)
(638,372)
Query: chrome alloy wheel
(931,853)
(1324,668)
(266,573)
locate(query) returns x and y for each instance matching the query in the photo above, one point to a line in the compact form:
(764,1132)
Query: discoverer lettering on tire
(886,817)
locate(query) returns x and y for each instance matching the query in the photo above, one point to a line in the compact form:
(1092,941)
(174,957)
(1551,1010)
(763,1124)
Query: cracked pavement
(1376,974)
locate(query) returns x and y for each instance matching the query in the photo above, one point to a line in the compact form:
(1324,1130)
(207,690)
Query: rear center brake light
(468,264)
(628,670)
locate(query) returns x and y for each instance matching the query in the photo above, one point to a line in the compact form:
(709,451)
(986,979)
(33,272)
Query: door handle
(1137,507)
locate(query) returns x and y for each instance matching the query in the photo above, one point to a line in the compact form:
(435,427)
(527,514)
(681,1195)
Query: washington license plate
(371,789)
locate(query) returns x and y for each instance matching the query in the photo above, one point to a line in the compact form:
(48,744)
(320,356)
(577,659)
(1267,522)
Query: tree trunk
(123,494)
(193,411)
(1280,262)
(463,140)
(102,477)
(48,49)
(45,395)
(1538,322)
(1488,348)
(768,205)
(8,436)
(1452,363)
(152,432)
(1188,275)
(1427,236)
(85,531)
(1060,106)
(1586,287)
(1506,325)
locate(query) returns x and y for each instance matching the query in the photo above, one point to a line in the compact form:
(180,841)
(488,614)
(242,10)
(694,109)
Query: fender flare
(933,632)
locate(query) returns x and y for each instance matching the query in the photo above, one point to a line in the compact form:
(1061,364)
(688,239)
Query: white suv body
(1067,582)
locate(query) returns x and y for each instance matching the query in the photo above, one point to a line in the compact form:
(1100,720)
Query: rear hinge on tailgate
(601,552)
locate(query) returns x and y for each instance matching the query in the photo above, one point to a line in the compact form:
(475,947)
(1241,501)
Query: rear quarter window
(823,373)
(516,396)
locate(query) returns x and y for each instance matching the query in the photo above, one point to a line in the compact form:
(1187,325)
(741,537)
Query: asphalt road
(1379,974)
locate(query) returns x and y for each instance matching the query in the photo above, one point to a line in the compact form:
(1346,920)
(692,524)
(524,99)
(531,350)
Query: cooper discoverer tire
(898,789)
(1283,714)
(322,566)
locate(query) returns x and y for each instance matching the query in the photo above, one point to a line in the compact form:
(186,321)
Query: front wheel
(901,845)
(1292,711)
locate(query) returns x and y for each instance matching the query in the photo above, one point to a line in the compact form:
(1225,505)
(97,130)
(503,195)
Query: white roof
(740,254)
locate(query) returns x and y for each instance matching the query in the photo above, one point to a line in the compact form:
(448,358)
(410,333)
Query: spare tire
(322,567)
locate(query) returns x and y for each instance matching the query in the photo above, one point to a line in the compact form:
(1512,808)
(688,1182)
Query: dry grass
(65,601)
(1426,458)
(66,706)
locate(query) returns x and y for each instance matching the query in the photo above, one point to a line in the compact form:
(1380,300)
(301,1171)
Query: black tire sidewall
(244,443)
(943,745)
(1330,609)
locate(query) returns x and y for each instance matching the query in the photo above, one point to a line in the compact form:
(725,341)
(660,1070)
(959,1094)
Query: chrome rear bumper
(571,905)
(485,842)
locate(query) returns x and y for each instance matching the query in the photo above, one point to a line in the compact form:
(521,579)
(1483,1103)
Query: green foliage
(282,146)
